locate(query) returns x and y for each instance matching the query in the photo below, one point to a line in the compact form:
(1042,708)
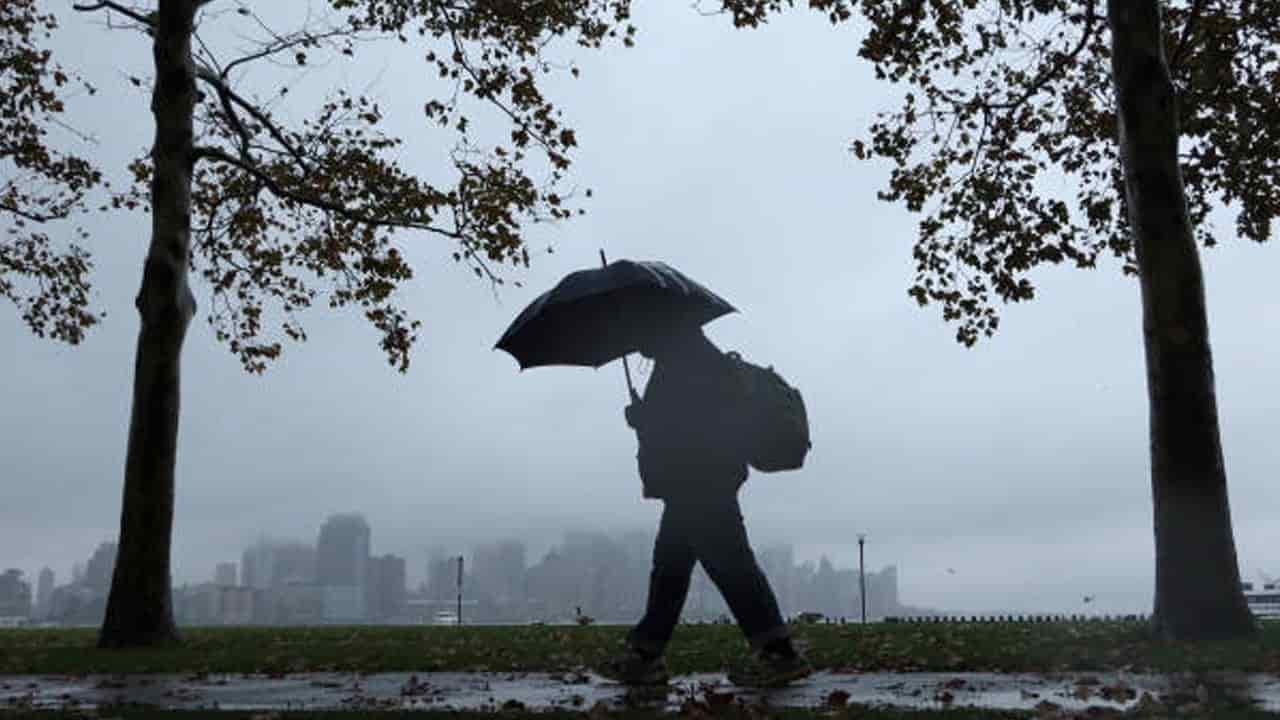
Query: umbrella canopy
(594,316)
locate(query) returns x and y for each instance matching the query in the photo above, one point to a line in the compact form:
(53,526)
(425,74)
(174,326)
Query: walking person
(705,416)
(693,456)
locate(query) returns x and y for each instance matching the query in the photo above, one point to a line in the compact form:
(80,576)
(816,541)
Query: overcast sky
(1020,464)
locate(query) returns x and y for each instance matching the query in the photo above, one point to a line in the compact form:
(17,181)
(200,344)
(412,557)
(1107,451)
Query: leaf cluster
(39,184)
(1005,136)
(290,213)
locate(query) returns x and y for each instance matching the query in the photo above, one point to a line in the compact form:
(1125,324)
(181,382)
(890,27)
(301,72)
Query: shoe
(771,669)
(635,668)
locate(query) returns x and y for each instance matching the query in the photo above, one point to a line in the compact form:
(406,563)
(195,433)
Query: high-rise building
(387,591)
(15,595)
(224,574)
(272,563)
(499,569)
(778,563)
(342,567)
(882,592)
(256,564)
(44,593)
(294,563)
(97,574)
(342,552)
(442,575)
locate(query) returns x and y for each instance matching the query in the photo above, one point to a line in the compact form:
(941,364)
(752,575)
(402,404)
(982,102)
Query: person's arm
(634,413)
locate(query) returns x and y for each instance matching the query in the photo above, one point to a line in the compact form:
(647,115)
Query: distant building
(294,563)
(97,574)
(499,572)
(215,604)
(77,605)
(256,565)
(778,563)
(15,595)
(342,567)
(442,576)
(272,563)
(295,603)
(44,593)
(386,587)
(882,592)
(225,574)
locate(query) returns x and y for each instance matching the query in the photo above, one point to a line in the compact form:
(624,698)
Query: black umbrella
(592,317)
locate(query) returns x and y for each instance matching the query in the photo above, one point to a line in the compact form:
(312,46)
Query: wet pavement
(415,691)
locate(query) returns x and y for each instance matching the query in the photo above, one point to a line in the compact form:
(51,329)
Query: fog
(1013,475)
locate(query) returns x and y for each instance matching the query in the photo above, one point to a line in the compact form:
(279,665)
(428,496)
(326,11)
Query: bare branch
(282,44)
(134,15)
(229,96)
(30,215)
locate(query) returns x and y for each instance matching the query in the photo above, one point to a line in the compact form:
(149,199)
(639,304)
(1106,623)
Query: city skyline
(293,582)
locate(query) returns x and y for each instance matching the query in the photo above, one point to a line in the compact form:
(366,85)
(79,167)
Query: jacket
(690,426)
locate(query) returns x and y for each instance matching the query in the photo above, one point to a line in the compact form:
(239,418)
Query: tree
(276,216)
(1005,102)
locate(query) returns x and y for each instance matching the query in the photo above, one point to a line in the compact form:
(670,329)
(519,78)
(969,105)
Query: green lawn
(1010,647)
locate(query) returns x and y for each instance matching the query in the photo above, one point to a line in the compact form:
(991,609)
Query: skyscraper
(97,574)
(342,566)
(256,565)
(44,593)
(15,595)
(387,590)
(225,574)
(499,570)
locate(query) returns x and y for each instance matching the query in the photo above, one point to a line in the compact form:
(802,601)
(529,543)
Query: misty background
(1009,476)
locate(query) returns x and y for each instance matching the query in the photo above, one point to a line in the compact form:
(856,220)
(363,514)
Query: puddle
(538,691)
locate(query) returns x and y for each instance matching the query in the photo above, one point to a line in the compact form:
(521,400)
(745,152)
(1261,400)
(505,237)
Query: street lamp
(862,577)
(459,620)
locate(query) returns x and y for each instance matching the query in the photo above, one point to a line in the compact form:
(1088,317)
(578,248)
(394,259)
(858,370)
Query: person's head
(662,342)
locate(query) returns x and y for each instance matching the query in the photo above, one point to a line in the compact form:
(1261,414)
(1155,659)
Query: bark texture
(140,608)
(1197,592)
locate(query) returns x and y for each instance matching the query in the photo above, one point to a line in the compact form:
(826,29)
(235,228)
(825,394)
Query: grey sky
(1021,464)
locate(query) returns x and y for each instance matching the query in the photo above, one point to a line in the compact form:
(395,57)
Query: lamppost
(862,577)
(459,621)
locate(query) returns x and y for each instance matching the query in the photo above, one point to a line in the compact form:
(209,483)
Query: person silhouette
(692,455)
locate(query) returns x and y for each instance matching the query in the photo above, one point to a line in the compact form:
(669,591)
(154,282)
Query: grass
(729,713)
(634,714)
(1011,647)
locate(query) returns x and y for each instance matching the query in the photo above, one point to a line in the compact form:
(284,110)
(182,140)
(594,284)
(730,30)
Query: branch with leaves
(44,276)
(1005,140)
(287,214)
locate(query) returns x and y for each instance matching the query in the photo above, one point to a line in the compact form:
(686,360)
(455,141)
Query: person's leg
(721,545)
(673,561)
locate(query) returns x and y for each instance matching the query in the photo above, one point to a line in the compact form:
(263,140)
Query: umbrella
(592,317)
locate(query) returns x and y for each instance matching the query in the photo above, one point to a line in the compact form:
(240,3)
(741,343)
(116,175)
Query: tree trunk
(1197,594)
(140,608)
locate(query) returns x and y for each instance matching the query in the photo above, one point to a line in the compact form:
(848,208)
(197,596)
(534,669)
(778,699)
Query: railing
(989,619)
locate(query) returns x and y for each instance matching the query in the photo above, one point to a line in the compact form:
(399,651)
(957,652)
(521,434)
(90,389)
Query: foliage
(287,214)
(40,184)
(1005,139)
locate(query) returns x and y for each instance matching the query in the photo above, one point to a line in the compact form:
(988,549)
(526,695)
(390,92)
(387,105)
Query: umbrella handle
(626,367)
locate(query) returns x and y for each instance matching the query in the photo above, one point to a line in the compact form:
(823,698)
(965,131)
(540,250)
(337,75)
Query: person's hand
(633,413)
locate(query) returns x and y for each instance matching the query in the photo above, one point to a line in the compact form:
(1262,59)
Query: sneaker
(635,668)
(771,669)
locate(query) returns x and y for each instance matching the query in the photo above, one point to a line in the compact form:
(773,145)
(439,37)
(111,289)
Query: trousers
(707,530)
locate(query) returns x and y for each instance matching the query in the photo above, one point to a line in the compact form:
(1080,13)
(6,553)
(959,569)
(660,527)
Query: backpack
(779,425)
